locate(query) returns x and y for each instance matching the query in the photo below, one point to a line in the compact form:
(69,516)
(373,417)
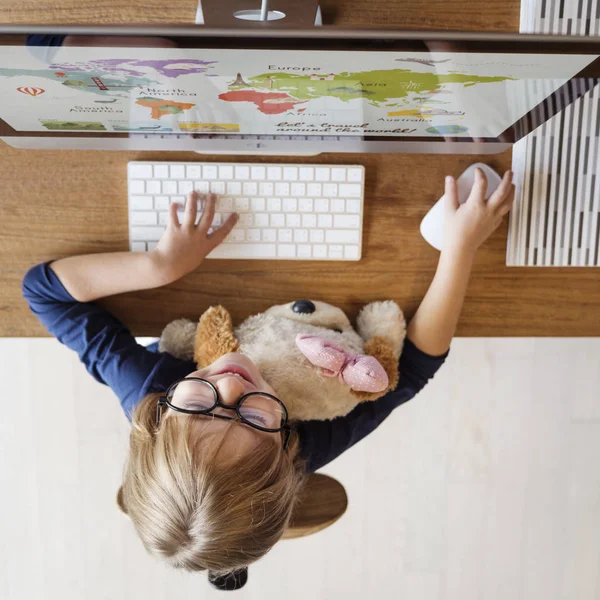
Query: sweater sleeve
(104,345)
(322,441)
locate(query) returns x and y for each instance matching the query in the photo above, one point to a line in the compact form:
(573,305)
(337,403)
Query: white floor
(486,486)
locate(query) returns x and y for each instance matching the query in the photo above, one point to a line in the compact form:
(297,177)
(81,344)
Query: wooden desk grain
(60,203)
(56,204)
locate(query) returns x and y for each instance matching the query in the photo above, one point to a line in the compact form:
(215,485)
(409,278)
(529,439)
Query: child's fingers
(451,193)
(218,235)
(501,195)
(479,188)
(508,202)
(209,211)
(173,217)
(191,208)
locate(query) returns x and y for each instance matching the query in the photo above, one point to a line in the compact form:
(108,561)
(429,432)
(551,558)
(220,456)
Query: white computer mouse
(432,225)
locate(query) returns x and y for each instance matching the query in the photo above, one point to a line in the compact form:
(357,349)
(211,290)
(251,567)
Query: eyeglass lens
(259,410)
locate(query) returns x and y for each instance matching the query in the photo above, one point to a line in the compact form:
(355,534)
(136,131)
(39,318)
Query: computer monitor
(284,91)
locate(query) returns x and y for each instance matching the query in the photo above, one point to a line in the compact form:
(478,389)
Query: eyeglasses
(196,396)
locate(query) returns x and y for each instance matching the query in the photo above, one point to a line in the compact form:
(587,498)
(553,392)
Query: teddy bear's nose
(303,306)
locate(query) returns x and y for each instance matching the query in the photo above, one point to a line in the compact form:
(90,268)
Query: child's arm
(181,249)
(466,227)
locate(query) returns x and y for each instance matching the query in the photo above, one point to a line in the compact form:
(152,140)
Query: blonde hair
(200,513)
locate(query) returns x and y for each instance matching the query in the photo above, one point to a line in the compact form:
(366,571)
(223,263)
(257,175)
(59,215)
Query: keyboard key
(317,235)
(306,173)
(301,235)
(274,173)
(314,189)
(225,172)
(352,190)
(309,220)
(290,173)
(257,204)
(177,172)
(261,220)
(258,173)
(242,173)
(338,205)
(210,172)
(217,220)
(269,235)
(290,205)
(277,220)
(193,171)
(353,206)
(245,220)
(265,189)
(237,234)
(217,187)
(250,188)
(319,251)
(292,220)
(153,187)
(331,189)
(163,218)
(161,171)
(147,234)
(304,251)
(161,202)
(325,221)
(336,251)
(341,236)
(202,187)
(140,171)
(298,189)
(242,204)
(138,246)
(144,218)
(253,235)
(321,205)
(225,204)
(169,187)
(286,250)
(233,188)
(178,200)
(185,187)
(284,235)
(322,174)
(137,187)
(282,189)
(338,174)
(346,221)
(355,175)
(273,204)
(140,202)
(305,205)
(246,250)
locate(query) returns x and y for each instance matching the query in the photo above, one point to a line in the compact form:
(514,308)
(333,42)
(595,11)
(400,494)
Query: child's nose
(230,389)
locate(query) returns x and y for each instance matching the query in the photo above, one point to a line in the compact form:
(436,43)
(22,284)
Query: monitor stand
(272,14)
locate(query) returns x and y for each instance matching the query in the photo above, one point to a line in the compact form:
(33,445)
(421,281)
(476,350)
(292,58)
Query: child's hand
(184,245)
(468,225)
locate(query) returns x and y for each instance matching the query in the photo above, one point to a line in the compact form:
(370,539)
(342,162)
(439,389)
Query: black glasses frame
(164,401)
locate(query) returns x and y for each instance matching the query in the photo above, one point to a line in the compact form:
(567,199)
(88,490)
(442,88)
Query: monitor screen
(376,88)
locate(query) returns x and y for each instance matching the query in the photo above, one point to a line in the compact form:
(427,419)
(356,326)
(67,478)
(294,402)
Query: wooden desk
(55,204)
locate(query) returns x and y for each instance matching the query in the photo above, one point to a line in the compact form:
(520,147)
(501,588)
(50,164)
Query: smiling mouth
(237,371)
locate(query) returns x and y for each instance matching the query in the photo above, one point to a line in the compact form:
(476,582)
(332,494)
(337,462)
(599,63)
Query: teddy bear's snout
(304,307)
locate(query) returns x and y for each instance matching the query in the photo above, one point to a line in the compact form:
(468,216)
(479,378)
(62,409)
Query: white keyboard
(287,212)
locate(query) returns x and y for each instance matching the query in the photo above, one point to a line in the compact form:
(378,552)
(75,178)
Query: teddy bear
(307,350)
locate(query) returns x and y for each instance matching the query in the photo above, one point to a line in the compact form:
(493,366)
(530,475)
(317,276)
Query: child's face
(233,375)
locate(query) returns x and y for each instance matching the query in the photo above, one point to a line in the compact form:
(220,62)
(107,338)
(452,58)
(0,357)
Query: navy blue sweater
(112,356)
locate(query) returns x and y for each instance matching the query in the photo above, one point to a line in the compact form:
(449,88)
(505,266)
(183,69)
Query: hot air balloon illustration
(31,91)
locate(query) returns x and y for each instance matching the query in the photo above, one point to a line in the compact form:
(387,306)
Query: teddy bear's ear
(214,336)
(383,350)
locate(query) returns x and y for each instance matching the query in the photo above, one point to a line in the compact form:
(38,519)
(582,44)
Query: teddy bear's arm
(214,336)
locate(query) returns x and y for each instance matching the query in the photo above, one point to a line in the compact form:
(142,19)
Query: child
(216,490)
